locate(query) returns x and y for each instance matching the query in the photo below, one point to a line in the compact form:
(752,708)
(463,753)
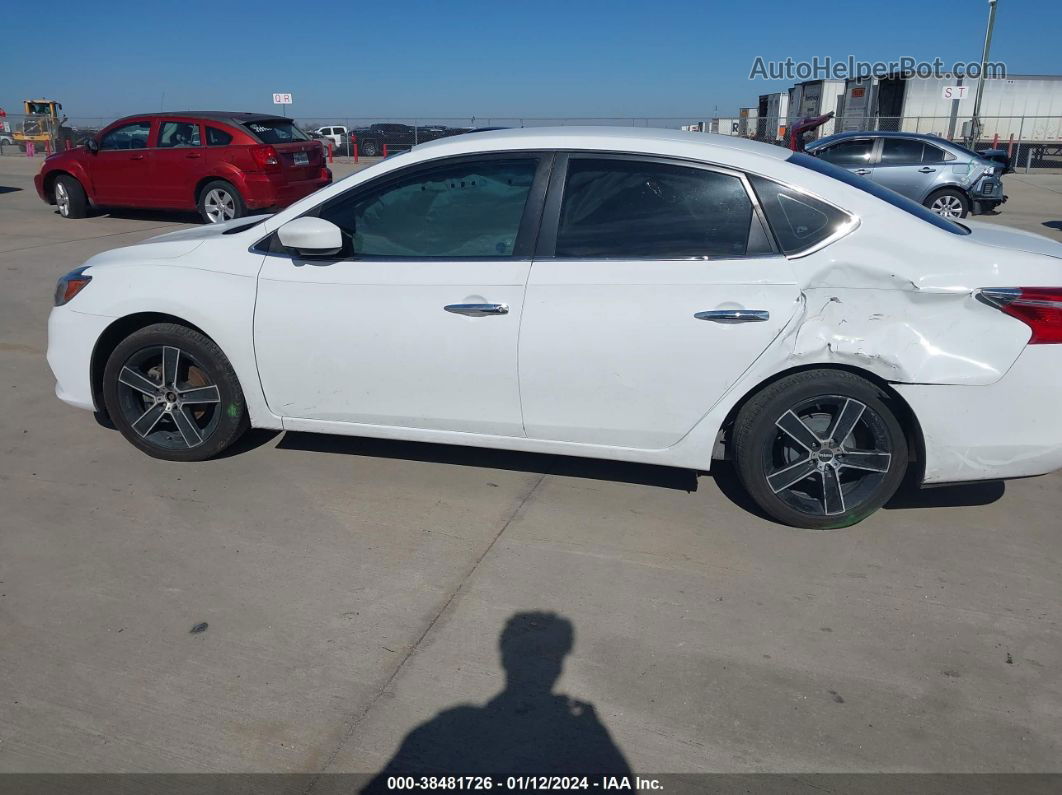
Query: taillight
(1040,308)
(266,157)
(70,285)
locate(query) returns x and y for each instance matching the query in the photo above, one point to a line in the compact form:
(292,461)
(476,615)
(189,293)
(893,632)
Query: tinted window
(466,210)
(932,154)
(216,137)
(876,190)
(848,153)
(799,221)
(901,152)
(275,131)
(627,208)
(178,133)
(128,136)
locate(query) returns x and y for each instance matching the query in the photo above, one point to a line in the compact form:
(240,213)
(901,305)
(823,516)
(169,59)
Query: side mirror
(311,237)
(92,145)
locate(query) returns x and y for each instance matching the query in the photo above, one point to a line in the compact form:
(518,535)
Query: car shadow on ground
(723,474)
(8,189)
(525,729)
(486,458)
(1053,224)
(161,216)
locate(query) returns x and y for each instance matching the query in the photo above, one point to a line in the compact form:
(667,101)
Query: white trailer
(1029,107)
(815,98)
(729,126)
(773,122)
(747,118)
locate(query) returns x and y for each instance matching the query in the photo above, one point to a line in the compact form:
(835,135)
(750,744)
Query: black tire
(949,203)
(183,407)
(70,198)
(219,201)
(368,148)
(833,487)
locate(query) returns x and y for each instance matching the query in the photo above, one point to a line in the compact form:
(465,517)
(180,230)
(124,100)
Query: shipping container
(747,122)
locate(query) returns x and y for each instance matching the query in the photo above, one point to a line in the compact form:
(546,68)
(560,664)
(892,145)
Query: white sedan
(627,294)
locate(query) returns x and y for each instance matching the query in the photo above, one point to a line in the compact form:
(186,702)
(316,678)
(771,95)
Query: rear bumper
(266,190)
(1008,429)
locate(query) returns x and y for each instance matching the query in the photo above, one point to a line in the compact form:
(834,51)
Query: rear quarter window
(800,222)
(877,191)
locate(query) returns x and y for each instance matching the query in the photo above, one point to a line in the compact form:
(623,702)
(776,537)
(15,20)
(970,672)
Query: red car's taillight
(266,157)
(1040,308)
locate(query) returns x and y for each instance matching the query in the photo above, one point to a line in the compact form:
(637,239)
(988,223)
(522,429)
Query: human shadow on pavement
(525,730)
(567,466)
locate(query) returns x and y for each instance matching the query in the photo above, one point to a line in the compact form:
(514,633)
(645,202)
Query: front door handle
(477,310)
(734,315)
(137,157)
(862,171)
(193,154)
(926,170)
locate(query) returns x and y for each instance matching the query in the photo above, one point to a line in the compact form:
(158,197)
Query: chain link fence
(1032,142)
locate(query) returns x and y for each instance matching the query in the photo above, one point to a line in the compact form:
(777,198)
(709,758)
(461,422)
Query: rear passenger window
(628,208)
(799,221)
(216,137)
(848,153)
(901,152)
(178,133)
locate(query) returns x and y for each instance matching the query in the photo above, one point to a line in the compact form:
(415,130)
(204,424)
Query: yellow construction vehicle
(42,126)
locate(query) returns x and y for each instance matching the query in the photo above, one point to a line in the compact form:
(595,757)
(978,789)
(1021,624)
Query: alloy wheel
(947,206)
(62,199)
(168,398)
(829,455)
(219,206)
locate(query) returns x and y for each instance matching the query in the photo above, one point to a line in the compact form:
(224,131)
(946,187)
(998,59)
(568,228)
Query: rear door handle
(193,154)
(926,170)
(477,310)
(734,315)
(862,171)
(137,157)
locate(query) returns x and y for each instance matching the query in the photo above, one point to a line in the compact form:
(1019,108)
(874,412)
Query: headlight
(70,285)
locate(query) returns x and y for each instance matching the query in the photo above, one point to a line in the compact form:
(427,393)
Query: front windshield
(877,191)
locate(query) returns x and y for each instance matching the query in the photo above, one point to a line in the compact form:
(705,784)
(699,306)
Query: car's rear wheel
(220,202)
(949,203)
(70,197)
(820,449)
(368,148)
(172,393)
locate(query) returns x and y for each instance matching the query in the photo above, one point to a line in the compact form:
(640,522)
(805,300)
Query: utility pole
(975,127)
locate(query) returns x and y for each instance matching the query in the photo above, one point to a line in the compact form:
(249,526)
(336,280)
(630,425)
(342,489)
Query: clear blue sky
(465,57)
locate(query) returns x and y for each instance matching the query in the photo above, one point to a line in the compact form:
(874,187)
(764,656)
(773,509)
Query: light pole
(975,127)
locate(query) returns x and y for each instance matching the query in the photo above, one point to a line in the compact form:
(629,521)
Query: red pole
(355,151)
(68,147)
(330,151)
(995,140)
(47,148)
(385,150)
(1010,147)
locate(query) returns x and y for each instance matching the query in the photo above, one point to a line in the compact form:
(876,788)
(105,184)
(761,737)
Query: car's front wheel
(368,148)
(820,449)
(70,198)
(949,203)
(220,202)
(172,392)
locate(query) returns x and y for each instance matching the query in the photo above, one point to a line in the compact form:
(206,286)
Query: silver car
(949,179)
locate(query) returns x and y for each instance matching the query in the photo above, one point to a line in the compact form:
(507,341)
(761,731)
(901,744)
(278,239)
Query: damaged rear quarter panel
(908,321)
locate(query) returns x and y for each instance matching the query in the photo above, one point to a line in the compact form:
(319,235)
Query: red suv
(223,164)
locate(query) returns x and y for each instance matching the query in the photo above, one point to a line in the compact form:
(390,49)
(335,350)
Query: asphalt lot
(354,589)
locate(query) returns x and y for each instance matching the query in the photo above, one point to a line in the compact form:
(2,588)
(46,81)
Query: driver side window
(470,209)
(128,136)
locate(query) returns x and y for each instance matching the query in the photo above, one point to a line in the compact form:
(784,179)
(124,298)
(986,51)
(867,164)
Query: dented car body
(626,294)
